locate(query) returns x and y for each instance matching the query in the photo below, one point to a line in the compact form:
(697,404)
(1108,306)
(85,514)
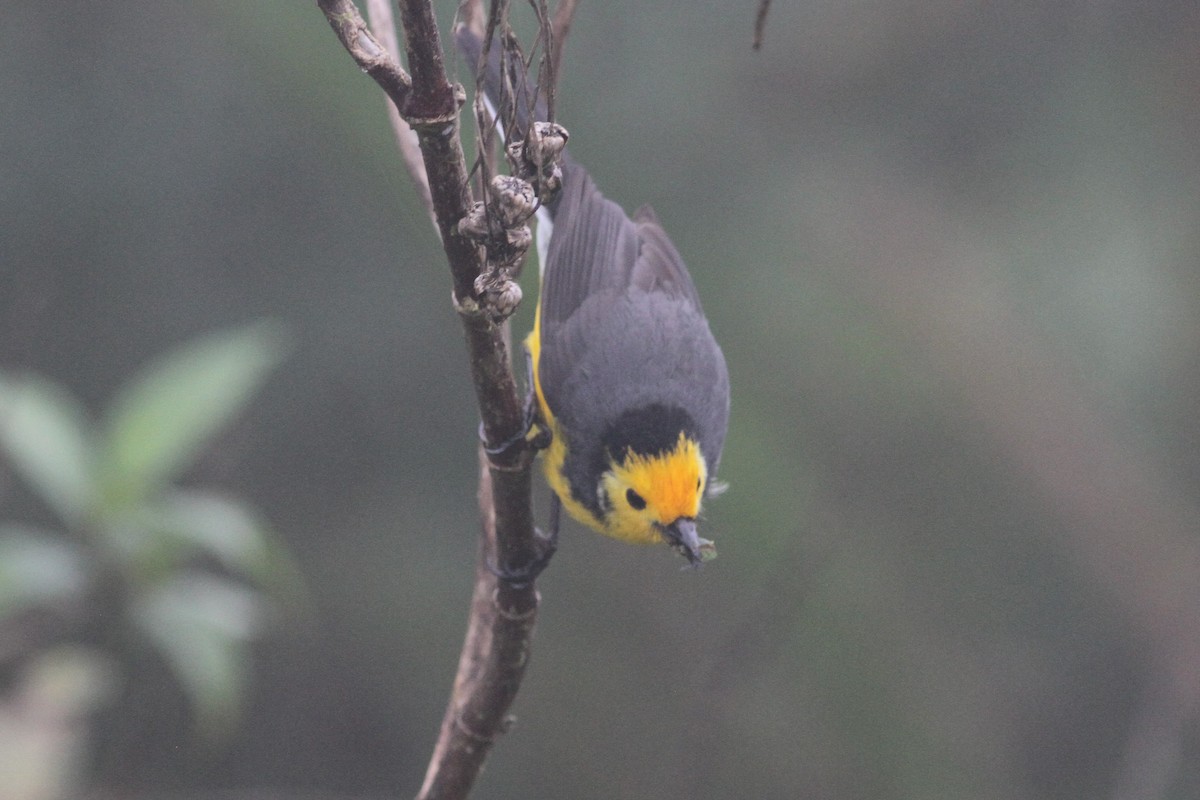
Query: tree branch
(500,628)
(490,667)
(430,105)
(366,51)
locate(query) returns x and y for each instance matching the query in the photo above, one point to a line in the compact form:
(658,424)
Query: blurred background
(950,249)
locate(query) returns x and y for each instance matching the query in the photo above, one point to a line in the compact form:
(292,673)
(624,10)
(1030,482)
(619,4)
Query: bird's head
(656,496)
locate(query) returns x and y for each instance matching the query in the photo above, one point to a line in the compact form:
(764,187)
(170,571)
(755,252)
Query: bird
(628,380)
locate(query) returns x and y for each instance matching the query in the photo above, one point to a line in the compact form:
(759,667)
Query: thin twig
(372,57)
(383,25)
(548,69)
(760,22)
(561,26)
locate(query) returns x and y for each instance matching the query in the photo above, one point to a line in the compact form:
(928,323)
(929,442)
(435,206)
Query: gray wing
(596,247)
(621,321)
(597,251)
(620,352)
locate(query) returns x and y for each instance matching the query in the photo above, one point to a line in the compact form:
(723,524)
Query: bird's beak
(681,535)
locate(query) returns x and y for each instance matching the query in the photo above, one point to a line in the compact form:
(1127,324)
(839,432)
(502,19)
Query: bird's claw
(520,577)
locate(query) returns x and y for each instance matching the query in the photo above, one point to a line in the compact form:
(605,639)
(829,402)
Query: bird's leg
(539,440)
(546,545)
(549,540)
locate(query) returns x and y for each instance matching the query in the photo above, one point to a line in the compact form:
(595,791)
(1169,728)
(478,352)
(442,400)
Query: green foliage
(195,569)
(159,421)
(45,432)
(202,625)
(36,568)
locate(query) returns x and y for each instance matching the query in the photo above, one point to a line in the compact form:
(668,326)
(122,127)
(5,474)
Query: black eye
(635,500)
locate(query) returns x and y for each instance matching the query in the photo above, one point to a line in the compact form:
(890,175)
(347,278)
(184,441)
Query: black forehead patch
(647,430)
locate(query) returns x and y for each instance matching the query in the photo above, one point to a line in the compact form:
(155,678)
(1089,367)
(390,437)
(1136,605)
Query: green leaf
(45,432)
(202,626)
(231,533)
(132,538)
(160,420)
(217,526)
(37,568)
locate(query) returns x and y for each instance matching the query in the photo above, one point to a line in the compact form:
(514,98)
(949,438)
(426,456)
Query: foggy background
(950,250)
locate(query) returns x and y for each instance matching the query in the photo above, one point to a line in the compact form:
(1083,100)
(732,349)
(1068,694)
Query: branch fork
(484,245)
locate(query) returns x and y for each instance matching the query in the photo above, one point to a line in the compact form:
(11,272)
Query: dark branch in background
(383,26)
(760,22)
(549,66)
(500,628)
(561,27)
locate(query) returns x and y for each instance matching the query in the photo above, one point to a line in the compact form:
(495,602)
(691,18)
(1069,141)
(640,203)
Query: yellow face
(647,493)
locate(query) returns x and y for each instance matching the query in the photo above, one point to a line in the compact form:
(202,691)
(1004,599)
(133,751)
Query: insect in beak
(681,535)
